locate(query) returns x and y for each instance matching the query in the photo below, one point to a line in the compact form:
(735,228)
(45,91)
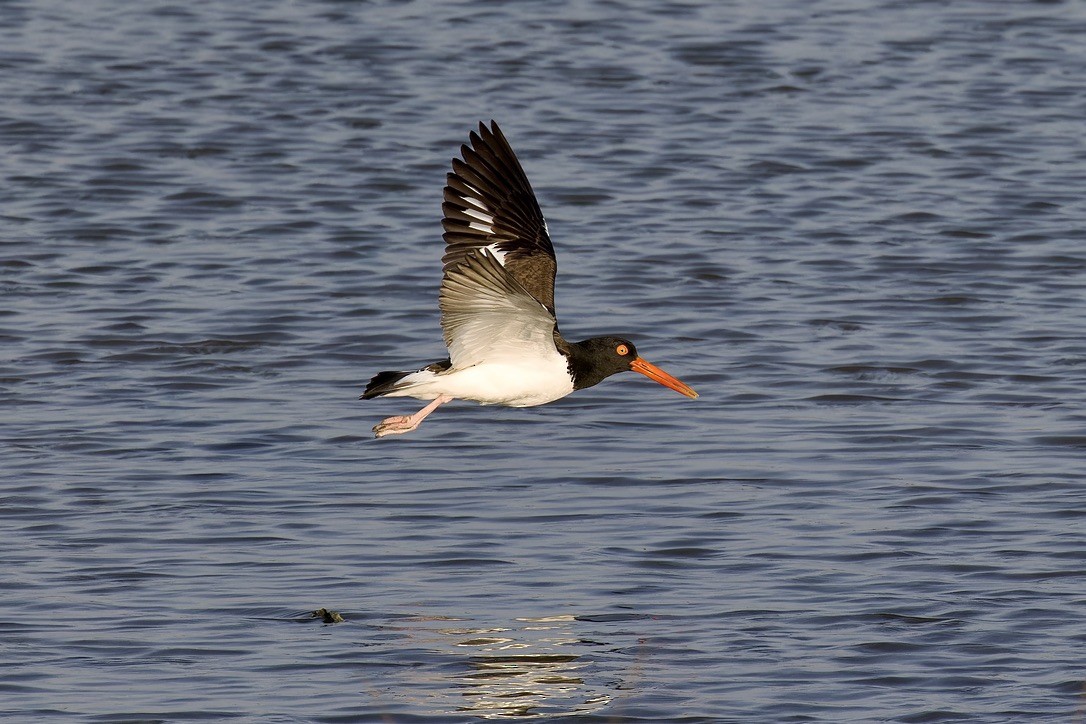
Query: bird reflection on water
(541,669)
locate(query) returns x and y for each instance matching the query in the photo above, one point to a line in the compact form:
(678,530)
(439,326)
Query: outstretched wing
(488,316)
(490,204)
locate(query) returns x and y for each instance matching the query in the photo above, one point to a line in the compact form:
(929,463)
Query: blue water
(856,228)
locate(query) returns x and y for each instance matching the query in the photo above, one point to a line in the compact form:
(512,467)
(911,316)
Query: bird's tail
(385,382)
(382,383)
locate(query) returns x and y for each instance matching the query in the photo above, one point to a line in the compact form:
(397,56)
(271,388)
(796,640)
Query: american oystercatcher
(497,301)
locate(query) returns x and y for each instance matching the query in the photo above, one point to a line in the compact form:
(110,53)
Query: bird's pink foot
(397,425)
(400,424)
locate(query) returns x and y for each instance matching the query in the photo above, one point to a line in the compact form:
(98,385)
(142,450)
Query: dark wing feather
(489,203)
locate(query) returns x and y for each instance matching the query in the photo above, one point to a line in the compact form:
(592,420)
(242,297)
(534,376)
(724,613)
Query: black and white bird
(497,301)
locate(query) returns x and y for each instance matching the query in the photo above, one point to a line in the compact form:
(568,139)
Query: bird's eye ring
(622,350)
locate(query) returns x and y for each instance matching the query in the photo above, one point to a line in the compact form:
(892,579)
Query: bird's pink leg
(400,424)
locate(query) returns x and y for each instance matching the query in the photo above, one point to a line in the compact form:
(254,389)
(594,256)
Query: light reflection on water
(537,667)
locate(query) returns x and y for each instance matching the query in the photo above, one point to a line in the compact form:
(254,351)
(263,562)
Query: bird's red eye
(622,350)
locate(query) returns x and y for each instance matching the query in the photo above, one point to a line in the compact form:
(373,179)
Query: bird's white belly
(516,384)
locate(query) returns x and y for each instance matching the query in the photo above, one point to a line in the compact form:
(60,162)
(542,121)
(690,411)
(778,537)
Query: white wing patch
(485,221)
(498,253)
(487,316)
(481,212)
(475,200)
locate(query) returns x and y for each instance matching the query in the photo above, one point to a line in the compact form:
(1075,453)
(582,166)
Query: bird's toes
(393,426)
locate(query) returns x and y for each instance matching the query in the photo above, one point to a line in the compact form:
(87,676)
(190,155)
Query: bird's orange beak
(658,375)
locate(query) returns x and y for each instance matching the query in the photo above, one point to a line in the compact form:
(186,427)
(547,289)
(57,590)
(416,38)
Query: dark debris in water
(327,616)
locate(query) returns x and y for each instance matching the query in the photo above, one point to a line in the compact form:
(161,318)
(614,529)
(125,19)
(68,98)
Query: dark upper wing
(489,203)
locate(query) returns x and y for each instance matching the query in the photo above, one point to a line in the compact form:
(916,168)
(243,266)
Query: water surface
(856,228)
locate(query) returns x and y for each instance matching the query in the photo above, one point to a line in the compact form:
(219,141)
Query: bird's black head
(596,359)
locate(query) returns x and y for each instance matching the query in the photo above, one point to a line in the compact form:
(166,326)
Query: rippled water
(856,228)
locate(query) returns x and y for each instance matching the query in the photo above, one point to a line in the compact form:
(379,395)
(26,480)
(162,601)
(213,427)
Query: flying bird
(497,301)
